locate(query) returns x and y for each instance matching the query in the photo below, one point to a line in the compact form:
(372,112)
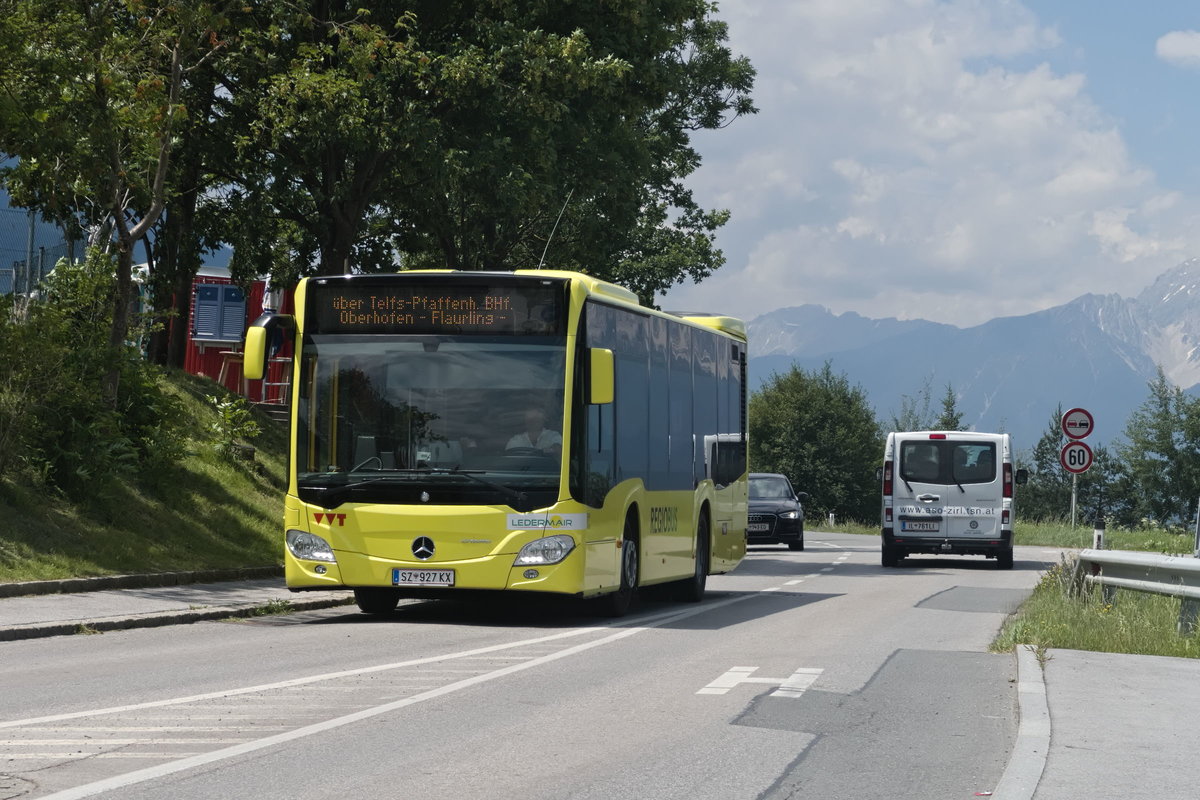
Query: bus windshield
(445,419)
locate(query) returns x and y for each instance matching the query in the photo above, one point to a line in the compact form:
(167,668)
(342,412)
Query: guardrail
(1174,576)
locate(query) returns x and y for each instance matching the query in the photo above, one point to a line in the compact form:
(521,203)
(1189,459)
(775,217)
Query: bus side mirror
(1022,476)
(264,337)
(600,375)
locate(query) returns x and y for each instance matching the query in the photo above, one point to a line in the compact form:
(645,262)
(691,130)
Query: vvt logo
(327,518)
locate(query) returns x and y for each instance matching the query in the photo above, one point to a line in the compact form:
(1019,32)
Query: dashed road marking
(792,686)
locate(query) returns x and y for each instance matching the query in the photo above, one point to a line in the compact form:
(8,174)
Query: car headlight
(547,550)
(309,546)
(790,514)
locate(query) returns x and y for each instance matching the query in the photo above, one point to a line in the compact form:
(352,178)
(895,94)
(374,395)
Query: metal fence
(1174,576)
(29,250)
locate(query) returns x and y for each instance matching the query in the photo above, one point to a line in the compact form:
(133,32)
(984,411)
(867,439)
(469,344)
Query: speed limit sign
(1076,457)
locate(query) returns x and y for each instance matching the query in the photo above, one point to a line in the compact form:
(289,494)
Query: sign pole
(1075,456)
(1074,480)
(1196,548)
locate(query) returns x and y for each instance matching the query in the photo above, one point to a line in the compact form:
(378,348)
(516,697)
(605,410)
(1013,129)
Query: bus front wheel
(617,604)
(376,600)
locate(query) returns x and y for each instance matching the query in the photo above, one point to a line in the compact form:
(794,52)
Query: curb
(1028,761)
(145,581)
(160,619)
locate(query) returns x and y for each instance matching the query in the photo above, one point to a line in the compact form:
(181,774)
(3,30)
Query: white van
(948,492)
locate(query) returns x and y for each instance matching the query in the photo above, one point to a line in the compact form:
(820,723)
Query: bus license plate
(422,577)
(919,526)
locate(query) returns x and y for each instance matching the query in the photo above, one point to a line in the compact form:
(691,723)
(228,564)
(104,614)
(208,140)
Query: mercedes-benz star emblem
(423,548)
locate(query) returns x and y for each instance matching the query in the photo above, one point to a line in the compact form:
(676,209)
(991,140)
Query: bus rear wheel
(693,588)
(376,600)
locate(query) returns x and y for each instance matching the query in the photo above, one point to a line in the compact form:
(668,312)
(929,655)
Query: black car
(776,513)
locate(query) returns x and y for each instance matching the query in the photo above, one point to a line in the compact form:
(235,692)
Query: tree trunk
(119,331)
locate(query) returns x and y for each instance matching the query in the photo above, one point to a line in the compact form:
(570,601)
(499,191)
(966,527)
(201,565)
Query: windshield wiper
(512,494)
(334,496)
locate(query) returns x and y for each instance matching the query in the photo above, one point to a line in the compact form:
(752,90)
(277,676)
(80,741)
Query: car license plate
(919,526)
(422,577)
(758,527)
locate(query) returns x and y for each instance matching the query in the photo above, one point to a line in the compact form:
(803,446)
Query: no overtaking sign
(1077,423)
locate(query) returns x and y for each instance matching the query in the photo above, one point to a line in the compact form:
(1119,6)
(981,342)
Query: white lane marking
(792,686)
(157,728)
(827,569)
(730,679)
(793,583)
(20,723)
(170,768)
(797,682)
(89,756)
(99,742)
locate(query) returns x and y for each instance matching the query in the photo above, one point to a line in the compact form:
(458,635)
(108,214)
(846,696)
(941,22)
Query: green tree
(1047,495)
(951,418)
(463,134)
(1160,456)
(820,431)
(91,104)
(915,413)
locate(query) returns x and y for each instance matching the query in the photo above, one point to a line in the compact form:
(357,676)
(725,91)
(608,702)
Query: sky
(953,160)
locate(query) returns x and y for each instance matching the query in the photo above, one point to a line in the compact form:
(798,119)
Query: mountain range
(1097,352)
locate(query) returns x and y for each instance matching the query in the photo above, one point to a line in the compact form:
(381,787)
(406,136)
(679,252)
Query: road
(814,674)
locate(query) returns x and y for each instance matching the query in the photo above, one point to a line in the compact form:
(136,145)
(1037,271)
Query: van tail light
(1005,518)
(887,478)
(1008,480)
(887,516)
(937,436)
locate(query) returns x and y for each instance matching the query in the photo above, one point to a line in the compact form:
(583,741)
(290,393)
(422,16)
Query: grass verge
(1063,614)
(204,512)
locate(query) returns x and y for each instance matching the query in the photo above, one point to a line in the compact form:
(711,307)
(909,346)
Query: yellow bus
(528,431)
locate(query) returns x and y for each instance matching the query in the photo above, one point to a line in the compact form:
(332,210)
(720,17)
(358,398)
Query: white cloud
(904,165)
(1181,48)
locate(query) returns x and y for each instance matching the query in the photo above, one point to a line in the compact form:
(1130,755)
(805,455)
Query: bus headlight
(548,550)
(308,546)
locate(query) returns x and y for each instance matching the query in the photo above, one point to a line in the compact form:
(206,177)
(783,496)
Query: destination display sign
(501,308)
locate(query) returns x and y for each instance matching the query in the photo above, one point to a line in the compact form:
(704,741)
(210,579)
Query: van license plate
(919,526)
(422,577)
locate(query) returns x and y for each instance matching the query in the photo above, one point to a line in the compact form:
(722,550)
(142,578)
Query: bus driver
(536,435)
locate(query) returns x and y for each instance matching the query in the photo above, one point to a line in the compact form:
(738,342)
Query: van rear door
(973,499)
(919,495)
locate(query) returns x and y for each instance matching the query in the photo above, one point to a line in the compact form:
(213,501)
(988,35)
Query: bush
(234,422)
(55,425)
